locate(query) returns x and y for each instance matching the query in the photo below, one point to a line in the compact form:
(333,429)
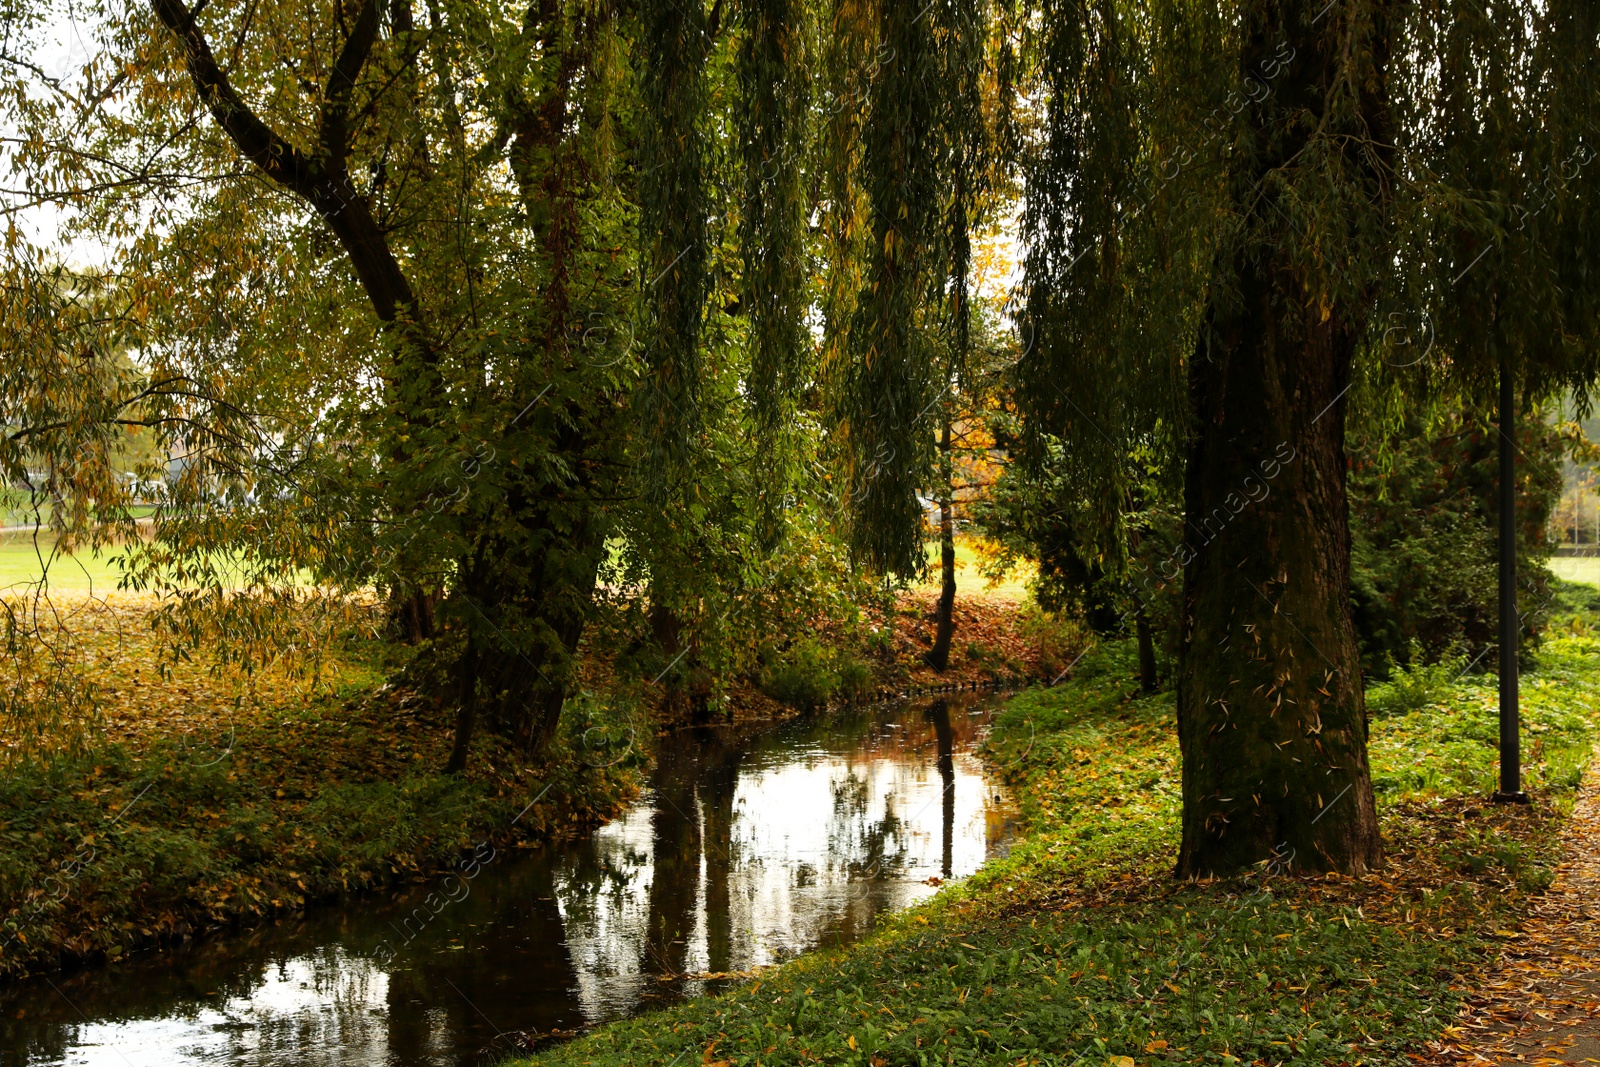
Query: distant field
(1577,569)
(969,576)
(23,560)
(21,564)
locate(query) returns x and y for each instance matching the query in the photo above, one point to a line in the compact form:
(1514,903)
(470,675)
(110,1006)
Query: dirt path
(1541,1002)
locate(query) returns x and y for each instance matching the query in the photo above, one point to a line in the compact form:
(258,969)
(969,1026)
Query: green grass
(26,557)
(969,573)
(1576,569)
(23,561)
(1078,949)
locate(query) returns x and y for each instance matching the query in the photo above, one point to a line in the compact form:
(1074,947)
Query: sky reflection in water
(750,847)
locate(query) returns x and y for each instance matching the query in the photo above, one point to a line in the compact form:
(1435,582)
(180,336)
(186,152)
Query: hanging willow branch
(673,205)
(920,164)
(774,78)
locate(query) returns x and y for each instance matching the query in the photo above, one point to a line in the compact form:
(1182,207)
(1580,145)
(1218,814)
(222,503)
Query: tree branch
(322,182)
(333,132)
(277,158)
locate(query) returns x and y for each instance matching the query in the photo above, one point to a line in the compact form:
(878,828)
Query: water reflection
(749,847)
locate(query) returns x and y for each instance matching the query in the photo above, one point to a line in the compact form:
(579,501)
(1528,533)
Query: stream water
(750,846)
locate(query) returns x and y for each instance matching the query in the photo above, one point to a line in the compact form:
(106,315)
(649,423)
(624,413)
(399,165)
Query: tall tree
(383,317)
(1216,284)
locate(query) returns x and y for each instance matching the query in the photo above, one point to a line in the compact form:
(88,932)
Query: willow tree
(1219,229)
(377,258)
(909,155)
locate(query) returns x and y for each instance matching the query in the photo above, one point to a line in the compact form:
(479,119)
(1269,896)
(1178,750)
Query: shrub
(1415,686)
(1056,641)
(803,677)
(855,677)
(1424,537)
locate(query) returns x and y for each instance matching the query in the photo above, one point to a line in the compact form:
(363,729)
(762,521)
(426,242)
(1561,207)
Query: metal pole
(1510,740)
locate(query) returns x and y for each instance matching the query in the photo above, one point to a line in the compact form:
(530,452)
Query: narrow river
(749,847)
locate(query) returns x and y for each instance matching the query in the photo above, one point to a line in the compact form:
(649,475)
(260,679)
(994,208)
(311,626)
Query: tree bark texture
(1271,716)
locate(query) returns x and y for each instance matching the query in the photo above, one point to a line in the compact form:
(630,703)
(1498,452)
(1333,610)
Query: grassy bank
(132,844)
(1078,949)
(198,799)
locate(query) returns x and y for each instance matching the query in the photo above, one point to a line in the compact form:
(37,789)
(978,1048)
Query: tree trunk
(939,654)
(686,683)
(466,708)
(412,612)
(524,601)
(1271,717)
(1147,651)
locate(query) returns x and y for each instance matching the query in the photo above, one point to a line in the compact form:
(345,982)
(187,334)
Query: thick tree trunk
(524,600)
(1271,716)
(944,618)
(531,673)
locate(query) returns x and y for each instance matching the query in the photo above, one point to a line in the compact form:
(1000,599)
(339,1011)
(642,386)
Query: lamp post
(1510,791)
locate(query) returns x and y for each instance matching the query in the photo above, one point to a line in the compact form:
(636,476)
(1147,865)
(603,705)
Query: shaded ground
(1541,1002)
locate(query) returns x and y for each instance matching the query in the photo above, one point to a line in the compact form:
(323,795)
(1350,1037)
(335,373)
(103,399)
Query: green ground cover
(1078,949)
(139,841)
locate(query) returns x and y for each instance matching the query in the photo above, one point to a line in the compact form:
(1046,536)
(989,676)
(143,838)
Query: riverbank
(133,845)
(202,799)
(198,798)
(1079,949)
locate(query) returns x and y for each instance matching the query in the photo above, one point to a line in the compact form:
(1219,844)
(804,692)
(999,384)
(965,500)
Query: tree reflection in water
(750,846)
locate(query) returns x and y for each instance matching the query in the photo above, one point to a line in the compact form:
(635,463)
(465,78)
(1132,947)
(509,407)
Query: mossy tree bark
(1271,716)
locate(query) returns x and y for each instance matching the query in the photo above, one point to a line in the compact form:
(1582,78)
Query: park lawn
(28,557)
(1584,569)
(24,560)
(1079,949)
(970,580)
